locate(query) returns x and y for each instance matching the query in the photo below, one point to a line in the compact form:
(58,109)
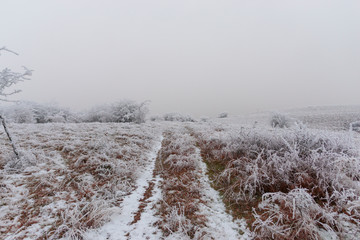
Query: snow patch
(144,228)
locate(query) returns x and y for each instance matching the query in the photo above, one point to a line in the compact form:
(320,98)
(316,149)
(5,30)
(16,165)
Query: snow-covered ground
(71,177)
(128,181)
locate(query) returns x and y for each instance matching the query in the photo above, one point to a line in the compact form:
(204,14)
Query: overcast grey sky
(199,57)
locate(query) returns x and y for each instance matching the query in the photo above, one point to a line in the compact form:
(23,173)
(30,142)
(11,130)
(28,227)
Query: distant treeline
(126,111)
(30,112)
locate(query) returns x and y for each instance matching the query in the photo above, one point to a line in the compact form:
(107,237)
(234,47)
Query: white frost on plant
(120,223)
(219,223)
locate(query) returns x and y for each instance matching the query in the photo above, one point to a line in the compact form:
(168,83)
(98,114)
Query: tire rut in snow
(144,201)
(145,218)
(191,208)
(121,225)
(179,208)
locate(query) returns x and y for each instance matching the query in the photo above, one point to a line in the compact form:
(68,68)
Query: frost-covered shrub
(223,115)
(204,119)
(313,161)
(279,120)
(156,118)
(129,111)
(30,112)
(355,126)
(26,159)
(251,163)
(293,215)
(173,117)
(122,112)
(177,117)
(21,114)
(99,114)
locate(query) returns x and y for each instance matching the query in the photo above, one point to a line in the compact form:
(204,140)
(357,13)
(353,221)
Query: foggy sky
(200,57)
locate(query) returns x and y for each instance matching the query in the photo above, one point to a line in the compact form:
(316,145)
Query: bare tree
(8,79)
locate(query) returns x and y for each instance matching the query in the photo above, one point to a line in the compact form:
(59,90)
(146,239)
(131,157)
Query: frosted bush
(177,117)
(156,118)
(293,215)
(123,111)
(204,119)
(317,162)
(30,112)
(279,120)
(27,159)
(319,168)
(223,115)
(355,126)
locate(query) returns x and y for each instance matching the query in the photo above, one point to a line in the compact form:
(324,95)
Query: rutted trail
(173,198)
(166,192)
(122,224)
(155,181)
(190,207)
(198,215)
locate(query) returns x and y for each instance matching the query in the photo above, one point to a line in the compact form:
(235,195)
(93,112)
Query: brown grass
(181,190)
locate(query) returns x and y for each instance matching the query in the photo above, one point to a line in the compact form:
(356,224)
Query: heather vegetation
(173,117)
(289,184)
(212,179)
(186,193)
(114,172)
(71,178)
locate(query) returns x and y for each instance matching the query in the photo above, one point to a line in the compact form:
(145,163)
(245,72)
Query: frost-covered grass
(71,177)
(210,180)
(288,183)
(190,208)
(177,165)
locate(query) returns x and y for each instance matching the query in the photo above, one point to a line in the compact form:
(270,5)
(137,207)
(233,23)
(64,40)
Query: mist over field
(179,120)
(199,58)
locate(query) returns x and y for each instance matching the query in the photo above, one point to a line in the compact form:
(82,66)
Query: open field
(232,178)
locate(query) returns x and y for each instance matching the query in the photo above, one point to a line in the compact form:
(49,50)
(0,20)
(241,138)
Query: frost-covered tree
(8,79)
